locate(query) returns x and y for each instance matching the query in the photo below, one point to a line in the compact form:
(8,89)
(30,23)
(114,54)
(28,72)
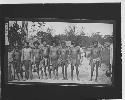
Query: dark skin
(37,64)
(76,52)
(96,63)
(64,63)
(17,59)
(45,55)
(54,63)
(26,72)
(11,77)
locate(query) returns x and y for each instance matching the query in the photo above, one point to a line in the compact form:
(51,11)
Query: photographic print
(77,51)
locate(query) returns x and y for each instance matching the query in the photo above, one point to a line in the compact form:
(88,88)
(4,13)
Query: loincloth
(75,62)
(94,61)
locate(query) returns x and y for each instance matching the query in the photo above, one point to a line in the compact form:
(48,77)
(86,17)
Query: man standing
(95,59)
(75,60)
(109,47)
(64,55)
(17,62)
(111,55)
(26,58)
(10,64)
(54,55)
(45,58)
(37,56)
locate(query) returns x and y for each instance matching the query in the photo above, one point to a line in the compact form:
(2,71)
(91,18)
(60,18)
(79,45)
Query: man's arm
(31,55)
(50,51)
(100,54)
(79,52)
(91,53)
(22,55)
(100,57)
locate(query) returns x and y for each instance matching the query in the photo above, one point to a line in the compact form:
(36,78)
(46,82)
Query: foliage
(16,35)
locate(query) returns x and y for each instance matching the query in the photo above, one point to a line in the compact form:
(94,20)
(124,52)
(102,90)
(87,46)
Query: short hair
(73,43)
(44,41)
(27,43)
(36,42)
(63,42)
(95,42)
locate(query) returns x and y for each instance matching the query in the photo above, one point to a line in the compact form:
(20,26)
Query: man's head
(54,44)
(63,44)
(36,43)
(95,43)
(27,44)
(73,43)
(44,43)
(10,48)
(15,44)
(107,44)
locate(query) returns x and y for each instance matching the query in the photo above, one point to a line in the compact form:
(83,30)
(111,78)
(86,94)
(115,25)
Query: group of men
(22,63)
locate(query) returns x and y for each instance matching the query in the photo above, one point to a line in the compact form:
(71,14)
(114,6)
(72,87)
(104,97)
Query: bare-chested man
(37,56)
(75,60)
(10,64)
(64,55)
(109,47)
(95,59)
(17,62)
(26,59)
(45,58)
(54,55)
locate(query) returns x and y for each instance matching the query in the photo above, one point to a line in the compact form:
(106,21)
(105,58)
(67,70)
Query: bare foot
(78,79)
(90,79)
(96,80)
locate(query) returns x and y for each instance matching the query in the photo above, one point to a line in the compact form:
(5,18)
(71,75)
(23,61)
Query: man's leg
(56,69)
(45,68)
(14,64)
(50,73)
(53,69)
(92,69)
(30,70)
(49,70)
(63,70)
(42,66)
(57,72)
(45,72)
(16,69)
(66,65)
(26,69)
(37,67)
(9,72)
(77,72)
(41,72)
(97,65)
(72,68)
(49,67)
(21,72)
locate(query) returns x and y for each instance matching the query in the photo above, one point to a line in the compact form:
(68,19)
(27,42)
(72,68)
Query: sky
(59,27)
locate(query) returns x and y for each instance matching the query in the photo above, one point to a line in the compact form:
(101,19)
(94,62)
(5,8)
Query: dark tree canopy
(16,35)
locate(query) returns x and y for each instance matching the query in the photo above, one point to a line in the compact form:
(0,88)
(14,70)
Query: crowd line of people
(22,63)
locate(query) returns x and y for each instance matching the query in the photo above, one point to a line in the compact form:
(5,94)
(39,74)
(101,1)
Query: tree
(45,36)
(71,33)
(16,35)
